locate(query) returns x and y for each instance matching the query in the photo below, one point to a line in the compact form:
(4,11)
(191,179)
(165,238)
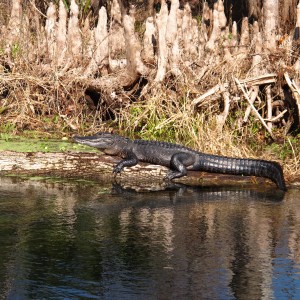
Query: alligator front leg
(178,164)
(129,161)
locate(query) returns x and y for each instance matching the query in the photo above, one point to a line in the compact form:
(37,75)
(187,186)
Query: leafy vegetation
(21,144)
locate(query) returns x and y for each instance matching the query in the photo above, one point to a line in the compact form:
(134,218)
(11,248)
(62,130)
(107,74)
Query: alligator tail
(248,167)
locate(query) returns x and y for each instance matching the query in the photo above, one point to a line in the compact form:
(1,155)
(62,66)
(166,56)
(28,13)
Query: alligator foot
(173,174)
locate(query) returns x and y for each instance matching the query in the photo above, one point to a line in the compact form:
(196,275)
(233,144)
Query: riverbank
(206,82)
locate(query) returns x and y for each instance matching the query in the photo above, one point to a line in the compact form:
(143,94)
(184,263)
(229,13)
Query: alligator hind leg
(178,164)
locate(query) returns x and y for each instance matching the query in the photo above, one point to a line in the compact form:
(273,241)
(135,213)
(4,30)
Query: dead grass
(36,95)
(51,105)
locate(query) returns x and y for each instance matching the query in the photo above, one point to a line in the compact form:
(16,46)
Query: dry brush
(201,68)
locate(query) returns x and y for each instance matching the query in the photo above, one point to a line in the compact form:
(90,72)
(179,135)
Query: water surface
(79,241)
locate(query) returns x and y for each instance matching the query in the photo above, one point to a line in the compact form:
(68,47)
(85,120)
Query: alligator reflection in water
(75,241)
(198,193)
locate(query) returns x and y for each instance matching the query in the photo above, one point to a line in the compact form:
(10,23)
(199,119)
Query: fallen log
(98,167)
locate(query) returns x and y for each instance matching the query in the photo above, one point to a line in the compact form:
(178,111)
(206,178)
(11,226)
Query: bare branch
(254,109)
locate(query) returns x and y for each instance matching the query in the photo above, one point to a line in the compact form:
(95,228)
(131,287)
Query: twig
(252,97)
(254,109)
(277,117)
(221,118)
(269,105)
(259,80)
(254,82)
(295,156)
(295,90)
(35,8)
(217,88)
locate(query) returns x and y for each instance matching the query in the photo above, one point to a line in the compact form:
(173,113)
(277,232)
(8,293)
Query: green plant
(3,109)
(85,5)
(198,19)
(7,128)
(288,150)
(15,50)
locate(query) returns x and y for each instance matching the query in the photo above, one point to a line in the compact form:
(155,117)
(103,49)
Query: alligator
(179,159)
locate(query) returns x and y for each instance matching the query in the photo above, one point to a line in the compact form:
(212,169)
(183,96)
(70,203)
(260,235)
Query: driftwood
(98,167)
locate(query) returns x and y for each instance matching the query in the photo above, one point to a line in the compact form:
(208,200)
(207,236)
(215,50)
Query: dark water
(76,241)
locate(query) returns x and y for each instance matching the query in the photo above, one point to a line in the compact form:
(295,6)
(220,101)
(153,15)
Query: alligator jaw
(92,141)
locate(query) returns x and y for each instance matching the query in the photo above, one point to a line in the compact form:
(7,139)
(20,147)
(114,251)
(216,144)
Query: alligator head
(108,142)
